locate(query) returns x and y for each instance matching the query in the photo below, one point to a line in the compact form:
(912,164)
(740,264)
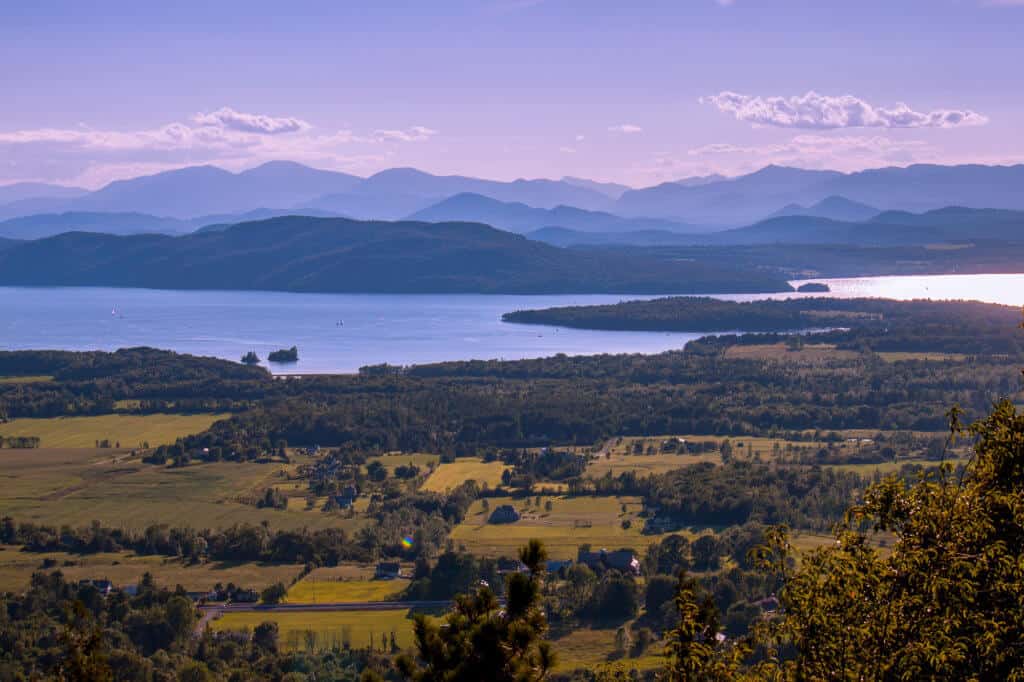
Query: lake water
(341,332)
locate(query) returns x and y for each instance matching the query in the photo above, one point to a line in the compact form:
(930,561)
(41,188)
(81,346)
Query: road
(216,611)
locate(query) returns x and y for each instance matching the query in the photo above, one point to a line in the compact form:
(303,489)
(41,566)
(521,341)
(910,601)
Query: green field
(593,649)
(316,590)
(448,476)
(131,431)
(330,628)
(896,356)
(397,459)
(645,465)
(572,521)
(124,568)
(39,378)
(76,486)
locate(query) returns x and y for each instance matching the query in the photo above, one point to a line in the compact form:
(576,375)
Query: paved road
(216,611)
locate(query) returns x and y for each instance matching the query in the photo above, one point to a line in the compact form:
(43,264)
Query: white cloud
(226,117)
(229,138)
(413,134)
(827,112)
(625,129)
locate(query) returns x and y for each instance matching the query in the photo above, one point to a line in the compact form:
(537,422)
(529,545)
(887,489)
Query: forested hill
(298,253)
(692,314)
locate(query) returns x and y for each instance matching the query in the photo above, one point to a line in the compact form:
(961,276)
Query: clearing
(449,476)
(130,430)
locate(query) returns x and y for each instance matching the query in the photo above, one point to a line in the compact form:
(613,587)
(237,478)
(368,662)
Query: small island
(251,358)
(813,287)
(285,355)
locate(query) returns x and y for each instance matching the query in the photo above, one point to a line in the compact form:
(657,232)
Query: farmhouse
(388,570)
(506,513)
(621,560)
(511,566)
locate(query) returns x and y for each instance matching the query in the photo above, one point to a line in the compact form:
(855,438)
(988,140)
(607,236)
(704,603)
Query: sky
(638,92)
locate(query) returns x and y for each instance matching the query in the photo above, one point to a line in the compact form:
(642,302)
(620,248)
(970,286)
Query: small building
(344,501)
(247,596)
(511,566)
(388,570)
(505,513)
(554,565)
(350,491)
(621,560)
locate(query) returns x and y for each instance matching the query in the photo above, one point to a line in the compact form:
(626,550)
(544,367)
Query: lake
(342,332)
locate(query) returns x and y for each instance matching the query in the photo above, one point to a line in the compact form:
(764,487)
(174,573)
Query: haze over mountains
(339,255)
(399,192)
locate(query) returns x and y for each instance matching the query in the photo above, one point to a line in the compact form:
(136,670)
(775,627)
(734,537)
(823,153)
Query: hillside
(833,208)
(339,255)
(20,191)
(750,197)
(49,224)
(519,217)
(560,236)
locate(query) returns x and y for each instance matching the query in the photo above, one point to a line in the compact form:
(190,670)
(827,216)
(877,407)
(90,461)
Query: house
(105,587)
(350,491)
(511,566)
(388,570)
(622,560)
(506,513)
(344,501)
(554,566)
(246,596)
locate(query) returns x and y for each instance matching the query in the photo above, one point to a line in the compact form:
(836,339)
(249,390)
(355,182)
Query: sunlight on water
(342,332)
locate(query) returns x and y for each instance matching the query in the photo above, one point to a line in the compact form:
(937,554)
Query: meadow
(75,486)
(329,629)
(319,589)
(125,568)
(593,648)
(449,476)
(571,522)
(130,430)
(35,379)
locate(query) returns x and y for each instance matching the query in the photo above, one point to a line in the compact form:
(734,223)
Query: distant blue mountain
(518,217)
(833,208)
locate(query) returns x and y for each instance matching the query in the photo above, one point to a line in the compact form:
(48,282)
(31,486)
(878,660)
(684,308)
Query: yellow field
(315,590)
(591,649)
(812,353)
(124,568)
(331,628)
(397,459)
(563,529)
(25,379)
(448,476)
(932,357)
(645,465)
(130,430)
(76,486)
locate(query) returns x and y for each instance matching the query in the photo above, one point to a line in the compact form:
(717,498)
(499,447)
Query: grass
(28,379)
(396,459)
(590,649)
(931,357)
(811,353)
(125,568)
(329,628)
(448,476)
(76,486)
(572,521)
(645,465)
(316,590)
(129,430)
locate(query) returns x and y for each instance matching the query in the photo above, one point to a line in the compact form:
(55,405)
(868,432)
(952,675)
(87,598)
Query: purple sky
(634,92)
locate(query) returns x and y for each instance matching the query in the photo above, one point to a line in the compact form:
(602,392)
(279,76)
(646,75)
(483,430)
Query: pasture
(808,354)
(571,522)
(594,648)
(318,589)
(35,379)
(392,460)
(449,476)
(125,568)
(130,430)
(328,629)
(75,486)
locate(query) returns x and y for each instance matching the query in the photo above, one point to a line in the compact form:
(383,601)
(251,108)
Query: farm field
(572,521)
(812,353)
(35,379)
(397,459)
(315,589)
(592,649)
(77,486)
(896,356)
(125,568)
(356,628)
(130,430)
(645,465)
(448,476)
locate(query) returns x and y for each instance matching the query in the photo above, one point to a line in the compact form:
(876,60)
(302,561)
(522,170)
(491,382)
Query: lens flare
(407,542)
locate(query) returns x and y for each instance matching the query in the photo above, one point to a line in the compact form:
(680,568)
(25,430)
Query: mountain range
(190,193)
(519,217)
(297,253)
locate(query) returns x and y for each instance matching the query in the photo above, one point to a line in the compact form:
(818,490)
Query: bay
(342,332)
